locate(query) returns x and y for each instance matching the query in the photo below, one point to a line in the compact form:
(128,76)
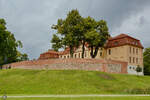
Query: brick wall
(73,64)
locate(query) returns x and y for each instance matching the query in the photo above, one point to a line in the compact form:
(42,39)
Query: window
(133,60)
(130,49)
(75,56)
(79,55)
(64,56)
(129,59)
(100,53)
(133,42)
(136,43)
(85,54)
(136,51)
(68,56)
(133,50)
(137,60)
(109,51)
(116,43)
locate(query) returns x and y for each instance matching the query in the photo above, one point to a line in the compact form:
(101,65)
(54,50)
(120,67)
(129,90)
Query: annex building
(119,48)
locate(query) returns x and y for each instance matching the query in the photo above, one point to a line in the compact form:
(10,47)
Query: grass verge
(18,81)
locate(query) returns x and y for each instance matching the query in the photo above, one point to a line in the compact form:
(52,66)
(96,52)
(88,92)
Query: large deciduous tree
(69,30)
(96,35)
(87,25)
(8,45)
(146,61)
(76,30)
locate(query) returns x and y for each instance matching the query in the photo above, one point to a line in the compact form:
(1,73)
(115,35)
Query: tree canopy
(69,30)
(96,35)
(146,61)
(76,30)
(8,45)
(57,42)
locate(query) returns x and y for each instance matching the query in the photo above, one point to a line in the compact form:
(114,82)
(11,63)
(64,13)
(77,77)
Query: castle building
(120,48)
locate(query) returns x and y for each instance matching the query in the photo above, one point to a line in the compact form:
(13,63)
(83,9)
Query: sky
(31,20)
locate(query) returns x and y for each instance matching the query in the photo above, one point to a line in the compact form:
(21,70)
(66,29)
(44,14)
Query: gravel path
(72,96)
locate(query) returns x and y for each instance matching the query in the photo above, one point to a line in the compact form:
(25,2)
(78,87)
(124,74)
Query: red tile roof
(122,35)
(123,39)
(49,54)
(66,51)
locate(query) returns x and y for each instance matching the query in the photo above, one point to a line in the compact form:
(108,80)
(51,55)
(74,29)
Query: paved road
(72,96)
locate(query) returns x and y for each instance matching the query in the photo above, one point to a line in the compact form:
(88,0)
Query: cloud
(113,11)
(30,20)
(137,26)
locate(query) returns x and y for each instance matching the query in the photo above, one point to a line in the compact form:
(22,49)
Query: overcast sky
(31,20)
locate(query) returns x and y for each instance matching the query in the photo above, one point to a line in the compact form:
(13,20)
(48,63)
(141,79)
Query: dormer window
(133,42)
(116,43)
(136,43)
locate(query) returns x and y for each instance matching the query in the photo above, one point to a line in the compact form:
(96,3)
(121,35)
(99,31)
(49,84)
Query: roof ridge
(122,35)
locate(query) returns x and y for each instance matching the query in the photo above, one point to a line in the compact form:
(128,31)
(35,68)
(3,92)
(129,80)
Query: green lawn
(85,98)
(17,81)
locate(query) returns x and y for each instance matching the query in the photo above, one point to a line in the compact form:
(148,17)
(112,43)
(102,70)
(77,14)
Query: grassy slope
(18,81)
(86,98)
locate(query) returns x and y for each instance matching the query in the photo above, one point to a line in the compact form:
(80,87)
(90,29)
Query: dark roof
(123,39)
(122,35)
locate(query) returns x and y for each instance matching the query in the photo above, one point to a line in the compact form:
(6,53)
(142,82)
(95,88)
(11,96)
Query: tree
(56,42)
(96,35)
(8,45)
(146,61)
(138,69)
(86,26)
(76,30)
(22,57)
(69,30)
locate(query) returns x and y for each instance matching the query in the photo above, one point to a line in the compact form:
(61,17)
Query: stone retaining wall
(73,64)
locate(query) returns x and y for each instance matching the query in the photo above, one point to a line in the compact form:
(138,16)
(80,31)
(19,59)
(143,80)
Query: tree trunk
(83,49)
(95,51)
(93,54)
(71,51)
